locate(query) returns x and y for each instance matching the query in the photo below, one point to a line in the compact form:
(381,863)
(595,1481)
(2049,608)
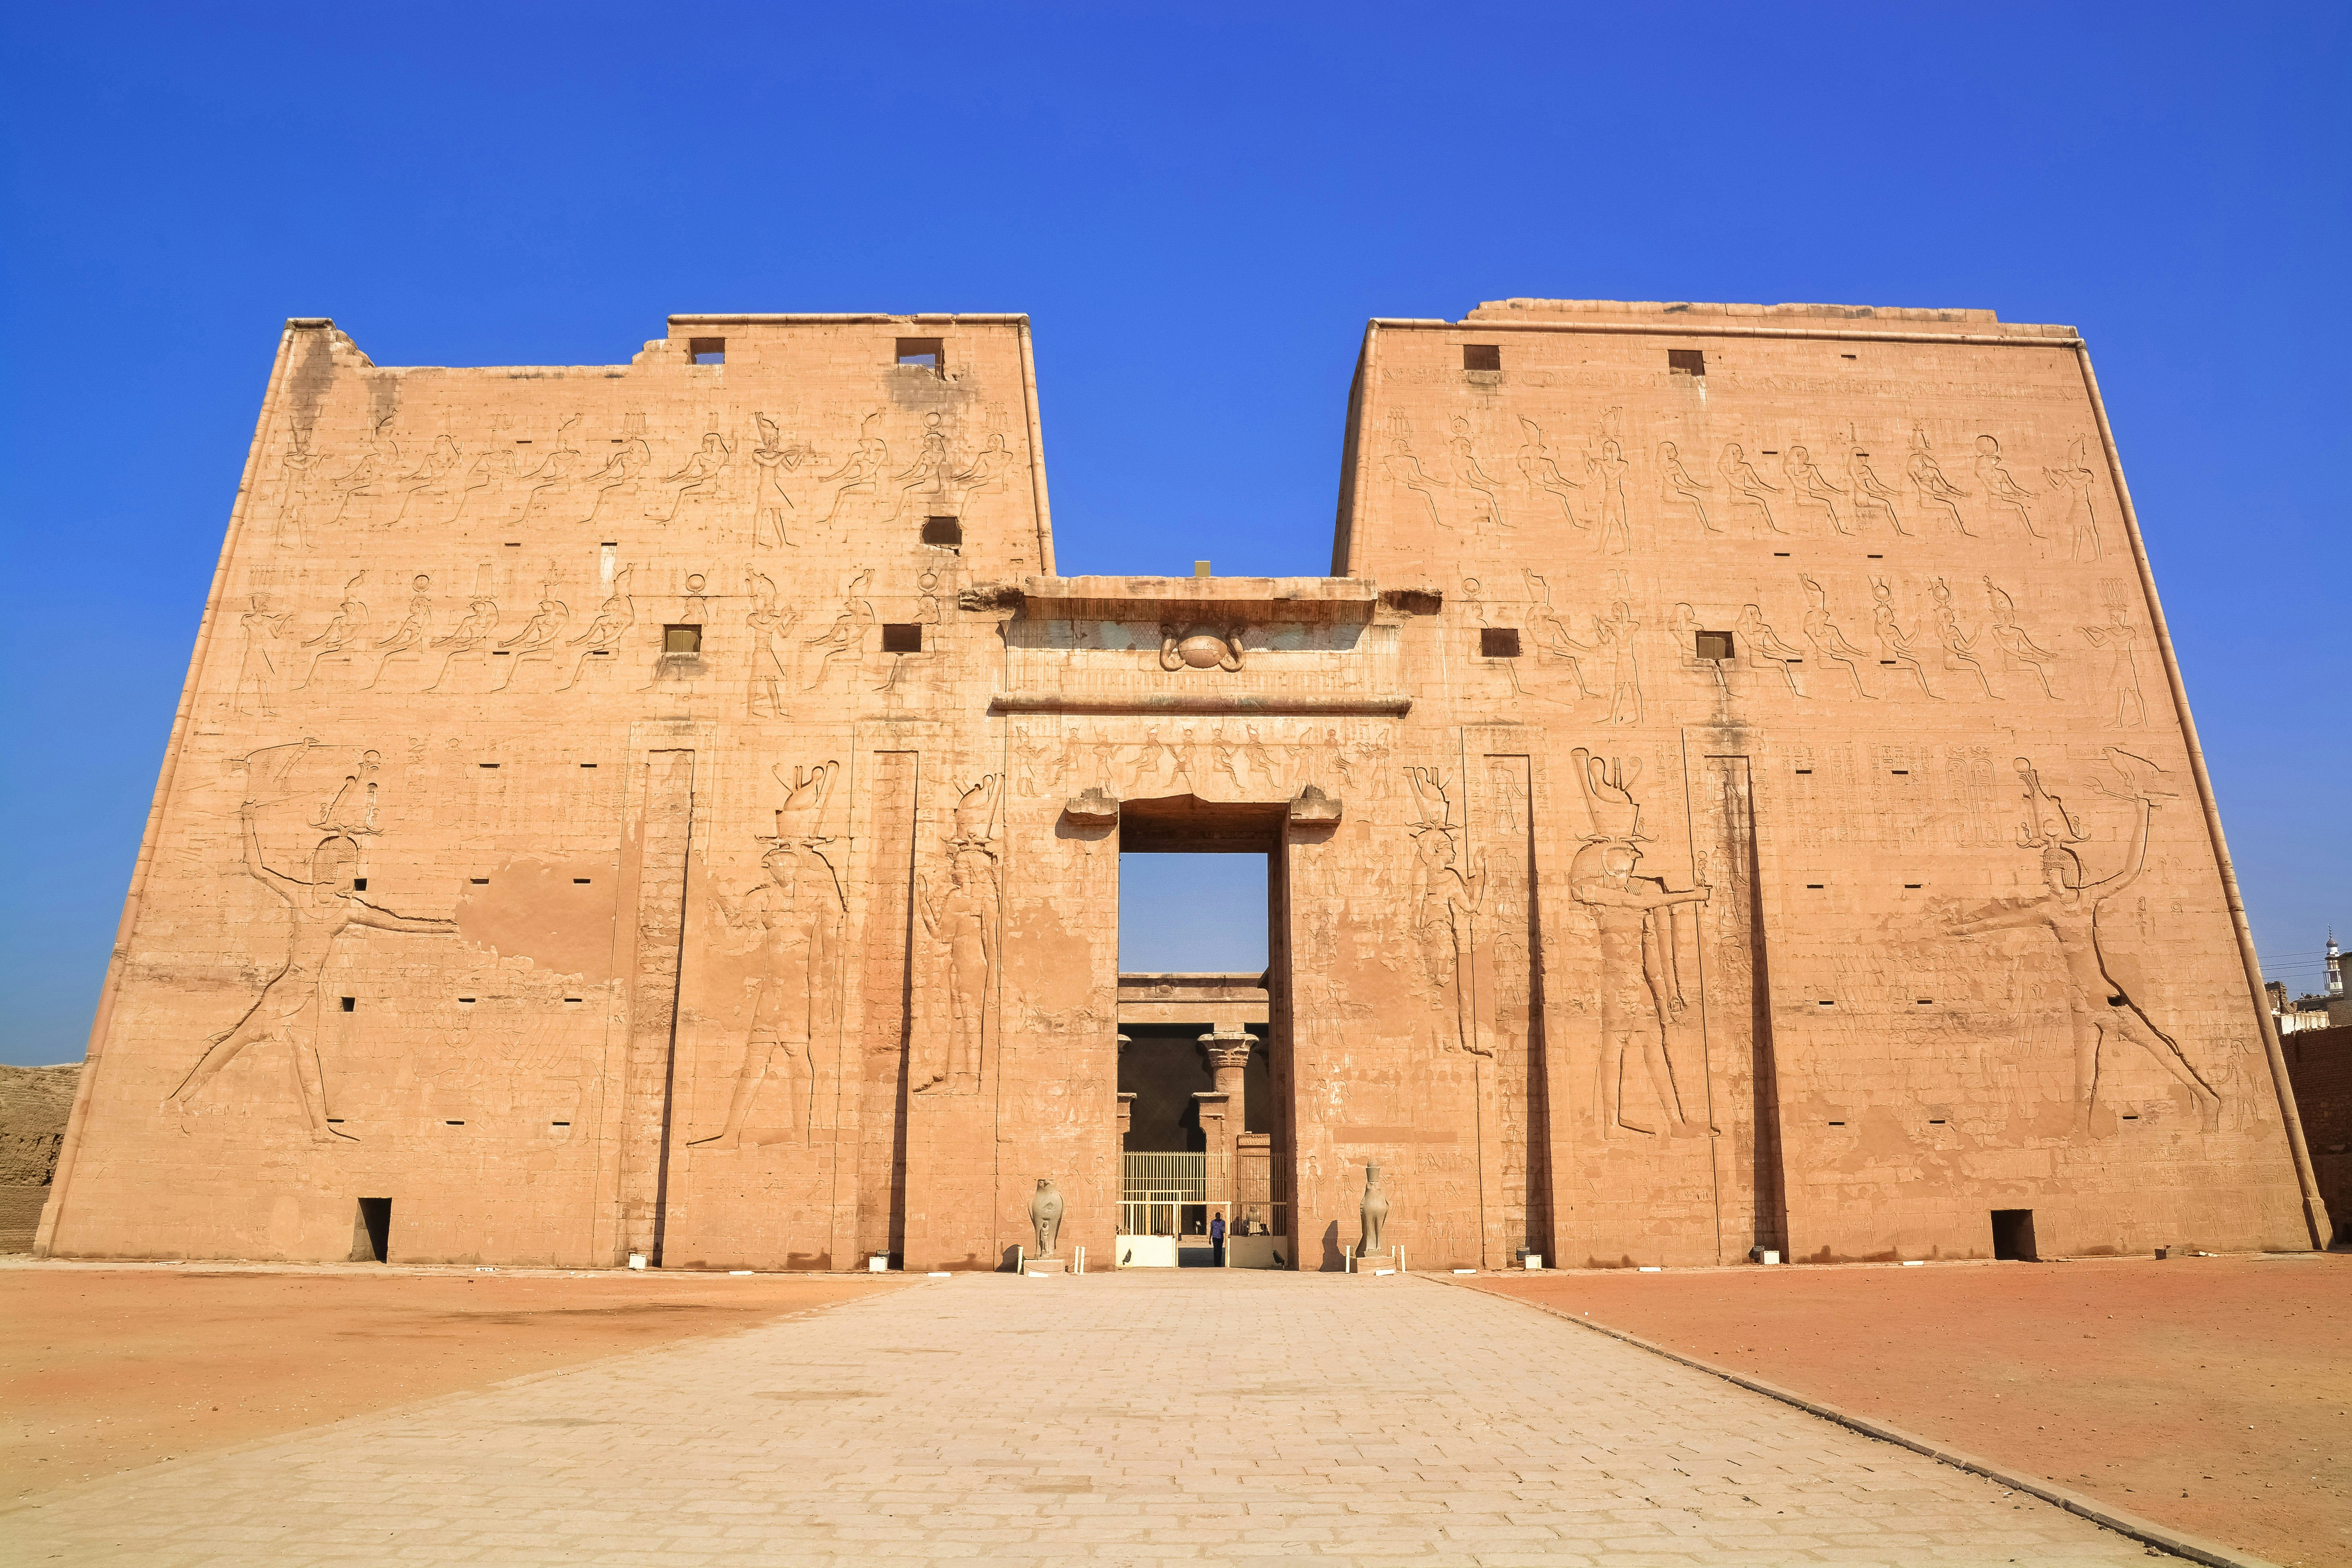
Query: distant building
(2325,1009)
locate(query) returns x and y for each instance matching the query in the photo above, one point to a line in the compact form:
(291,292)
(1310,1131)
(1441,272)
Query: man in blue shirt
(1217,1238)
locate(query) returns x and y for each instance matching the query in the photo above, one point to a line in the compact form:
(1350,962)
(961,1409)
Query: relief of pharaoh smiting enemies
(320,806)
(2072,910)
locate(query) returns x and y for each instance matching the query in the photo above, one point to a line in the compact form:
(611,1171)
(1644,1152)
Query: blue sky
(1198,206)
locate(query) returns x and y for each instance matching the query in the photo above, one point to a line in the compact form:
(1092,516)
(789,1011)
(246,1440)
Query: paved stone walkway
(1122,1418)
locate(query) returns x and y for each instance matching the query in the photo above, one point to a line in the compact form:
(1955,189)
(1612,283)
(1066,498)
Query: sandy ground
(2211,1394)
(103,1370)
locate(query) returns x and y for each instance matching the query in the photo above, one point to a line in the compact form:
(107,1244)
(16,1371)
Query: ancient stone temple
(1733,794)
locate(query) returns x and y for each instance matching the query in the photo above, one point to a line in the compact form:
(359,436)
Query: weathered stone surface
(33,1106)
(629,808)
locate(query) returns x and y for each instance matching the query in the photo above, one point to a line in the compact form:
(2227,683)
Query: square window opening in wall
(926,353)
(1686,361)
(682,639)
(1498,642)
(351,1003)
(1714,645)
(902,637)
(359,884)
(1482,356)
(707,351)
(2012,1235)
(944,531)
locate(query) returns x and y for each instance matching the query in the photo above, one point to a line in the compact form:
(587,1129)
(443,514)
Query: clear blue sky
(1199,205)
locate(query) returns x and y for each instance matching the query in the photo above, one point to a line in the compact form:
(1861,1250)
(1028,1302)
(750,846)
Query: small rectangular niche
(1714,645)
(1686,361)
(1935,1121)
(1924,1002)
(1816,886)
(707,351)
(1837,1124)
(1874,557)
(905,637)
(1828,1003)
(560,1126)
(1804,770)
(486,764)
(359,884)
(682,639)
(372,1231)
(572,998)
(580,881)
(927,353)
(480,881)
(1845,356)
(1780,555)
(351,1003)
(456,1123)
(1498,642)
(1482,356)
(468,1001)
(1900,772)
(1914,887)
(587,764)
(947,533)
(2012,1235)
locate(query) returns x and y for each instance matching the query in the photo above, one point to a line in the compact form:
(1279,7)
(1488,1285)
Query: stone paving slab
(1118,1419)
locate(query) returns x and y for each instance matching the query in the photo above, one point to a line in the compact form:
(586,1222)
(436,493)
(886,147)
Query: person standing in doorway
(1217,1236)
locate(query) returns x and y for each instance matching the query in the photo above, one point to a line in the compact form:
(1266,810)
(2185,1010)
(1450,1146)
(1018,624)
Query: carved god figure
(1045,1215)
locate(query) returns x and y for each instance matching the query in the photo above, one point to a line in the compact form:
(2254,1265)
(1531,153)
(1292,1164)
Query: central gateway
(1733,794)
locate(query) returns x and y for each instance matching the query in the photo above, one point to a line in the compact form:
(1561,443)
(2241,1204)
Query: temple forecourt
(1732,798)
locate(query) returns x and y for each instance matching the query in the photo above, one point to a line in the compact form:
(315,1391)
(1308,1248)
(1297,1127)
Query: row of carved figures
(794,920)
(1950,649)
(791,485)
(1589,488)
(270,651)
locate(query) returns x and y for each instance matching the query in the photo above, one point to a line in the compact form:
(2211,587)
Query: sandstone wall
(675,807)
(34,1105)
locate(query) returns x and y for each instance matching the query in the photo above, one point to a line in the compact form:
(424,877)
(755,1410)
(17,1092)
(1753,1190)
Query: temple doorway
(1201,1063)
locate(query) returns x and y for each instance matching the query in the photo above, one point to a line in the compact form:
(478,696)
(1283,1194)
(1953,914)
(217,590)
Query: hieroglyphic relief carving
(1893,646)
(546,501)
(616,483)
(602,638)
(990,470)
(1808,486)
(345,626)
(845,641)
(1488,507)
(697,479)
(1959,648)
(927,475)
(1685,638)
(257,664)
(320,908)
(962,923)
(1542,469)
(1870,492)
(480,622)
(775,458)
(1753,638)
(794,919)
(1406,470)
(2015,641)
(769,623)
(1936,493)
(428,495)
(1676,484)
(1827,641)
(415,629)
(537,637)
(1620,636)
(299,496)
(2000,488)
(1744,481)
(1616,528)
(1552,639)
(2077,479)
(2097,1005)
(2120,639)
(376,474)
(860,473)
(1642,1000)
(1445,902)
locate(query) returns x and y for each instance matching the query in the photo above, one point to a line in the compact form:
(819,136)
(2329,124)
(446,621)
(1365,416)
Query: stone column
(1221,1117)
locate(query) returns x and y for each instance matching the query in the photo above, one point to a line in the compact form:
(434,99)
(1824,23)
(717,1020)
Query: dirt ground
(103,1370)
(2211,1394)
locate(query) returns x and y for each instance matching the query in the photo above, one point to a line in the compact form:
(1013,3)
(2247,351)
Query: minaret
(2334,965)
